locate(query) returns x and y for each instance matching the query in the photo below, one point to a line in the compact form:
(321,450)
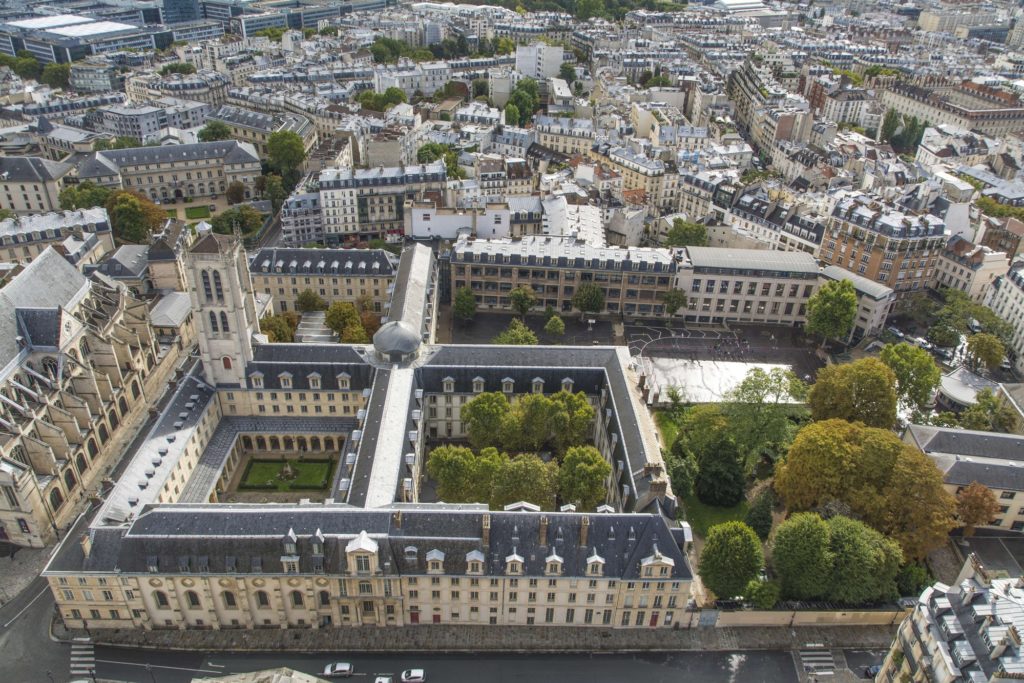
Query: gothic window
(213,321)
(224,322)
(217,286)
(226,360)
(207,290)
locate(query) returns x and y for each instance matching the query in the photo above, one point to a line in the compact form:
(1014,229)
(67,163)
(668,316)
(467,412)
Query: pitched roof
(31,169)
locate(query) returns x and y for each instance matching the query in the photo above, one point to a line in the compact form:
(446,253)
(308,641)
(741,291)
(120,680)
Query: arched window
(90,446)
(50,366)
(325,599)
(160,598)
(207,290)
(56,499)
(112,417)
(226,360)
(69,479)
(18,453)
(192,598)
(224,322)
(297,599)
(262,599)
(229,600)
(80,463)
(213,321)
(217,287)
(103,433)
(135,389)
(247,442)
(122,405)
(85,348)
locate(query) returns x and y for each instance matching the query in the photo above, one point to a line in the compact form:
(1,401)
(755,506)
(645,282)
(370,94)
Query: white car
(414,676)
(382,679)
(338,670)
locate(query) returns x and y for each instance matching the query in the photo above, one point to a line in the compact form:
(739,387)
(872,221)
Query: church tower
(222,301)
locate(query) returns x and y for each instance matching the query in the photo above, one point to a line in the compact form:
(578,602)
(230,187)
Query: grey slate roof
(866,286)
(716,258)
(326,261)
(109,162)
(31,169)
(964,442)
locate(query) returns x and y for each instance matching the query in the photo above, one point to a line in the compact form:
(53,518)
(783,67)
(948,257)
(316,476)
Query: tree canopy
(976,506)
(84,195)
(464,304)
(133,217)
(832,309)
(985,349)
(554,327)
(534,422)
(720,478)
(861,391)
(522,299)
(588,298)
(988,414)
(760,408)
(917,375)
(247,219)
(344,319)
(802,557)
(581,477)
(731,559)
(286,151)
(516,334)
(213,131)
(686,234)
(308,300)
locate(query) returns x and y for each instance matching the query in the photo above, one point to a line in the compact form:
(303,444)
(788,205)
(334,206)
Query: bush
(911,579)
(762,594)
(759,516)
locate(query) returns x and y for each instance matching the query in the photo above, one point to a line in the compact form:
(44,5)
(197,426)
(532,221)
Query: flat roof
(92,29)
(752,259)
(46,23)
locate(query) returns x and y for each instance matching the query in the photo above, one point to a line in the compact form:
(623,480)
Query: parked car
(895,331)
(414,676)
(382,679)
(338,670)
(872,671)
(212,207)
(921,342)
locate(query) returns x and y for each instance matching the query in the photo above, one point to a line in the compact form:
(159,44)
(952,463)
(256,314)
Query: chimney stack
(487,530)
(584,531)
(86,545)
(396,519)
(543,530)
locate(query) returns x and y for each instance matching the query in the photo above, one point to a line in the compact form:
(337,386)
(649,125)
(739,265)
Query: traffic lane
(858,660)
(705,667)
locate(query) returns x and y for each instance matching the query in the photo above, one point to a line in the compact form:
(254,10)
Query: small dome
(396,338)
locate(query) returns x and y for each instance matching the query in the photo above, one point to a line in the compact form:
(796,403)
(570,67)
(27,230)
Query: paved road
(700,667)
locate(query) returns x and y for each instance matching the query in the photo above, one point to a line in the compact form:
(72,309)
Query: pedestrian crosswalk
(818,661)
(83,658)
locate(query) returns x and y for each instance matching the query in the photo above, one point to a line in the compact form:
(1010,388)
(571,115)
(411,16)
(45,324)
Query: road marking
(156,666)
(218,666)
(25,608)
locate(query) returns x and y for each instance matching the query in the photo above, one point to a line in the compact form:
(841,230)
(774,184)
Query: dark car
(872,671)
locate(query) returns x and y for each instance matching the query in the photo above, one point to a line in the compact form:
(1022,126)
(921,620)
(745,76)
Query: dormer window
(567,384)
(285,378)
(257,380)
(474,562)
(314,380)
(553,565)
(435,562)
(514,564)
(595,565)
(538,385)
(508,385)
(344,381)
(478,385)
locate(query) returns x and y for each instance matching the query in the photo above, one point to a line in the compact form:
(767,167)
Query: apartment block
(256,127)
(1007,300)
(875,302)
(969,268)
(83,236)
(32,184)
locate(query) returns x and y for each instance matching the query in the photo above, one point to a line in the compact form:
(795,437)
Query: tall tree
(674,299)
(759,515)
(832,309)
(286,150)
(464,304)
(512,115)
(341,315)
(985,349)
(731,558)
(802,557)
(720,480)
(308,300)
(452,469)
(522,299)
(917,375)
(686,234)
(889,125)
(554,327)
(567,72)
(56,75)
(701,427)
(861,391)
(84,195)
(214,131)
(572,420)
(516,334)
(133,218)
(865,563)
(759,409)
(988,414)
(589,298)
(274,192)
(484,418)
(525,478)
(235,193)
(976,506)
(918,511)
(581,478)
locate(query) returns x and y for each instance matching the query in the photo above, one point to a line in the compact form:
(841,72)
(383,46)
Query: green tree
(567,72)
(917,375)
(235,194)
(430,152)
(988,414)
(286,151)
(243,217)
(762,594)
(213,131)
(184,68)
(682,469)
(516,334)
(56,75)
(759,410)
(985,349)
(464,304)
(976,506)
(6,214)
(119,142)
(943,334)
(512,115)
(911,579)
(133,218)
(731,559)
(581,477)
(759,514)
(802,558)
(831,310)
(354,333)
(531,424)
(686,234)
(701,427)
(274,191)
(588,298)
(341,315)
(865,563)
(452,468)
(525,478)
(278,329)
(308,300)
(889,125)
(554,327)
(674,299)
(485,417)
(26,66)
(720,479)
(84,195)
(863,391)
(572,420)
(522,299)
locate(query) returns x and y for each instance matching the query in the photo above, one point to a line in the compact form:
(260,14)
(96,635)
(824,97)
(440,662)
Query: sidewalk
(17,572)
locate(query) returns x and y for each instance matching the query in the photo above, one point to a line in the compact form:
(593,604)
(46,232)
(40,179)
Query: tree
(464,305)
(340,315)
(118,142)
(554,327)
(277,329)
(686,234)
(802,558)
(674,299)
(581,477)
(308,300)
(6,214)
(589,298)
(56,75)
(431,152)
(522,299)
(917,375)
(759,409)
(517,334)
(84,195)
(862,391)
(512,115)
(759,514)
(243,217)
(831,310)
(484,418)
(731,558)
(286,151)
(762,594)
(976,506)
(890,485)
(889,125)
(911,579)
(701,427)
(525,478)
(531,424)
(985,349)
(452,469)
(720,480)
(682,469)
(184,68)
(235,194)
(988,414)
(214,131)
(274,191)
(133,218)
(943,334)
(567,72)
(572,419)
(865,563)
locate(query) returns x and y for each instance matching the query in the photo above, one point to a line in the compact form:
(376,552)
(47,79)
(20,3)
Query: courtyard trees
(731,559)
(862,391)
(917,375)
(976,506)
(831,310)
(464,304)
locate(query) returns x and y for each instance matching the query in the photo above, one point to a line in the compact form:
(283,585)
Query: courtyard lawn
(172,213)
(669,428)
(702,517)
(196,212)
(310,474)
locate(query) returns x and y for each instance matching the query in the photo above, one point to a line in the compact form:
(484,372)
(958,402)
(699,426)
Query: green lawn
(194,212)
(668,428)
(311,474)
(171,213)
(702,517)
